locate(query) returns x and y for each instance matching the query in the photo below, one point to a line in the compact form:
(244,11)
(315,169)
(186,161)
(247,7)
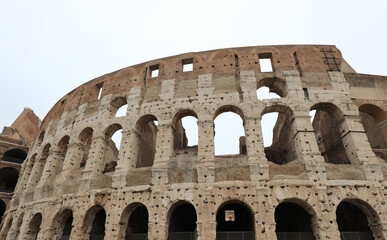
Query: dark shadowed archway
(182,222)
(234,221)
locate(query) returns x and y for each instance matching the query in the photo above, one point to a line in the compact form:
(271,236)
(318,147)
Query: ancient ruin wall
(74,170)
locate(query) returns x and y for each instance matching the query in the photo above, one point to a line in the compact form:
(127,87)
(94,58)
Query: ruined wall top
(307,59)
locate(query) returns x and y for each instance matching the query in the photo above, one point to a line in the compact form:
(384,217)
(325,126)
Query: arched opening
(182,222)
(62,150)
(40,138)
(2,210)
(34,227)
(326,124)
(28,169)
(146,132)
(293,222)
(120,106)
(353,222)
(8,179)
(63,224)
(229,131)
(134,222)
(14,155)
(94,222)
(185,130)
(85,141)
(372,118)
(269,88)
(234,220)
(113,136)
(281,149)
(39,166)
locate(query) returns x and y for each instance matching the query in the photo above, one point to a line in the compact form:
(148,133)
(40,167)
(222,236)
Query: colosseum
(321,178)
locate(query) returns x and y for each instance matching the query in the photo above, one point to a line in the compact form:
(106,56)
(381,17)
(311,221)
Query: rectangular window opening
(99,86)
(154,69)
(188,65)
(265,62)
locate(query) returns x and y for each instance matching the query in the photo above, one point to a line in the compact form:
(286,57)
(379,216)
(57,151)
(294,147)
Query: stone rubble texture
(73,164)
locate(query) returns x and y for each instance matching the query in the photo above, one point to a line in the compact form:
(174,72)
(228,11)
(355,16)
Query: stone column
(95,161)
(259,168)
(164,150)
(206,154)
(357,148)
(36,172)
(73,156)
(51,165)
(306,146)
(127,158)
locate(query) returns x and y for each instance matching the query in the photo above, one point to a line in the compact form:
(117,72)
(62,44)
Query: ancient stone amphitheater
(325,179)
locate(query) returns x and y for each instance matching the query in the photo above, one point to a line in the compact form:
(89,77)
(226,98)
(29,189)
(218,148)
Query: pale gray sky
(48,48)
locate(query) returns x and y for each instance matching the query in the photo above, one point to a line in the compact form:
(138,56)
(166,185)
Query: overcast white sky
(48,48)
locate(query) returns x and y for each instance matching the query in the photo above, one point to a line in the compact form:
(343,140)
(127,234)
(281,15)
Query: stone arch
(62,224)
(94,222)
(235,218)
(374,120)
(146,134)
(182,218)
(134,222)
(111,147)
(85,138)
(8,179)
(295,217)
(14,155)
(118,103)
(179,132)
(357,216)
(230,141)
(275,84)
(283,148)
(33,227)
(62,150)
(326,125)
(40,138)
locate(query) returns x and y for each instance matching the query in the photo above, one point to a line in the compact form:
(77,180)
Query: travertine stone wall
(221,81)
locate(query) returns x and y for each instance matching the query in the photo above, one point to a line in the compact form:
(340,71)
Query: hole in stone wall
(98,226)
(264,93)
(292,220)
(352,222)
(182,221)
(121,112)
(372,118)
(278,135)
(326,124)
(14,155)
(85,141)
(154,70)
(34,226)
(62,150)
(229,133)
(312,114)
(99,87)
(146,130)
(113,144)
(185,129)
(234,220)
(8,179)
(265,62)
(68,226)
(187,65)
(137,227)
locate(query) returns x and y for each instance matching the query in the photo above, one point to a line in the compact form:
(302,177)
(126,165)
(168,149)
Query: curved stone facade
(76,184)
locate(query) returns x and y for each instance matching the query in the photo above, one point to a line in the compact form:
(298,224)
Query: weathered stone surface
(76,183)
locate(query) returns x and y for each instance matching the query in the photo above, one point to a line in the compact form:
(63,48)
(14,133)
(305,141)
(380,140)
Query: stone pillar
(157,218)
(73,156)
(259,168)
(164,150)
(36,172)
(206,154)
(127,158)
(306,146)
(95,161)
(51,165)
